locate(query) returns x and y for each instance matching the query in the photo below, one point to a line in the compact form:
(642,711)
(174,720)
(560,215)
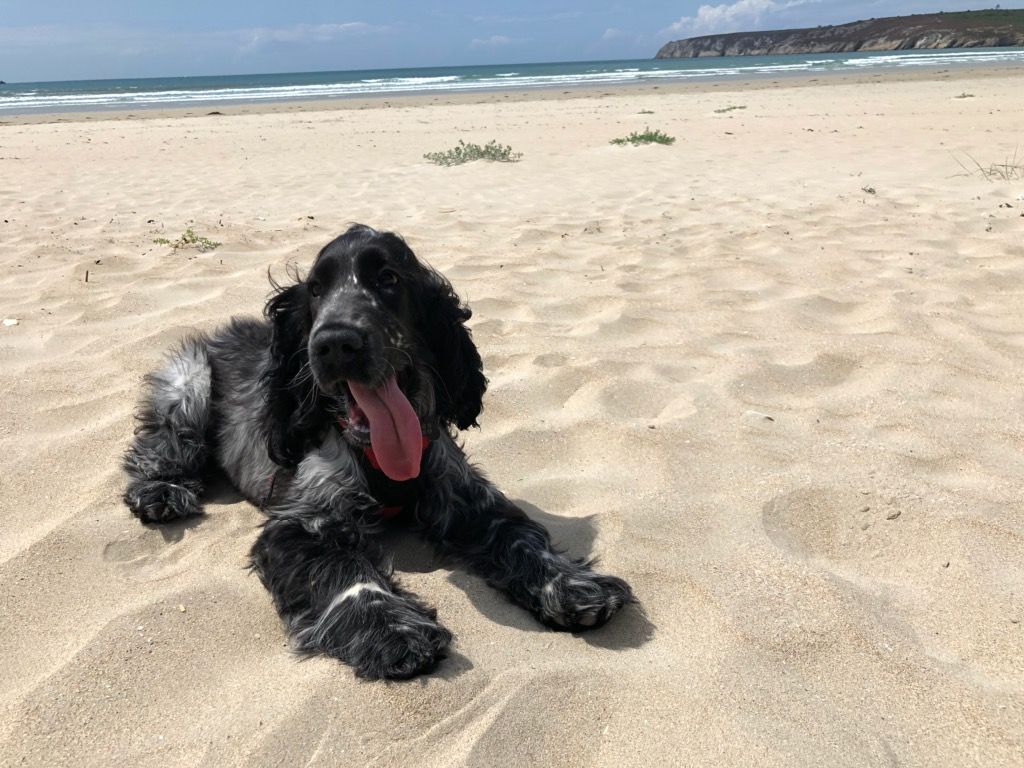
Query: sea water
(23,98)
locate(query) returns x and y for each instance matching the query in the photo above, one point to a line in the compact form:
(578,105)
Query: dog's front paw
(403,650)
(583,600)
(159,501)
(380,634)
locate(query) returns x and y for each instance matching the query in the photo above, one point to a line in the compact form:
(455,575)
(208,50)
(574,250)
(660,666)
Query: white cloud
(494,19)
(493,41)
(623,43)
(144,39)
(304,33)
(500,19)
(57,34)
(114,50)
(740,16)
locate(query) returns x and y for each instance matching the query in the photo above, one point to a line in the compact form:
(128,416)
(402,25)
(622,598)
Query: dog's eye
(387,278)
(314,289)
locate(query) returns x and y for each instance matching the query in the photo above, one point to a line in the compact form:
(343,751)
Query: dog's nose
(339,344)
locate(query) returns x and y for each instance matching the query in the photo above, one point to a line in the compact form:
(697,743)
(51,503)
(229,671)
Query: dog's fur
(266,401)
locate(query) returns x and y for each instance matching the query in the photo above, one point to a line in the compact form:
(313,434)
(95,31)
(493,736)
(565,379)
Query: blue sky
(81,39)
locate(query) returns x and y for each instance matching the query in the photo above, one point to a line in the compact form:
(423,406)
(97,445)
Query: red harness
(372,457)
(385,512)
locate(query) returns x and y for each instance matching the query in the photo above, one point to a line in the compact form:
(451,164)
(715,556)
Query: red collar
(385,512)
(372,457)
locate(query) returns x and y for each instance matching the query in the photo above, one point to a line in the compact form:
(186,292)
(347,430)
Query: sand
(772,375)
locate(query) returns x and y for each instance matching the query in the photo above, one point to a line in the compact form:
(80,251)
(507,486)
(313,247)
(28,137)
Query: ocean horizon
(214,90)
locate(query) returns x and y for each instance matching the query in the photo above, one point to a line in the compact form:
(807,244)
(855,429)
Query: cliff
(969,29)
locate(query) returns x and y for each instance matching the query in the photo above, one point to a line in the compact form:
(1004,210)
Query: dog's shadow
(218,489)
(573,535)
(410,553)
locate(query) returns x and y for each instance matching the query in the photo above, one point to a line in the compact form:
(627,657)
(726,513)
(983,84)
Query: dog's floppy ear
(292,398)
(457,362)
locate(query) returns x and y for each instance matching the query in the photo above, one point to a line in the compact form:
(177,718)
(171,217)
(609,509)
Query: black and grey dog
(339,412)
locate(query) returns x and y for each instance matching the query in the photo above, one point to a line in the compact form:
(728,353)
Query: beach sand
(771,374)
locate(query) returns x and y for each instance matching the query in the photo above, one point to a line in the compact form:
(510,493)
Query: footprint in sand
(624,399)
(151,553)
(550,360)
(508,311)
(614,325)
(818,522)
(480,731)
(774,381)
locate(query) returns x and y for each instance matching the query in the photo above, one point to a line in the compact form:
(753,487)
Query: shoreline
(539,93)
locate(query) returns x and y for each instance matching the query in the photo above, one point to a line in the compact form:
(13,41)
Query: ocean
(73,95)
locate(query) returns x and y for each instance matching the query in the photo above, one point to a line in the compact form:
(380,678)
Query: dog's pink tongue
(394,429)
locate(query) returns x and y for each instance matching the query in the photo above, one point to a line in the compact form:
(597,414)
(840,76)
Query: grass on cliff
(988,16)
(467,153)
(647,137)
(189,239)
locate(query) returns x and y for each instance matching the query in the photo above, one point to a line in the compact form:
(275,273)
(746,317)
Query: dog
(338,411)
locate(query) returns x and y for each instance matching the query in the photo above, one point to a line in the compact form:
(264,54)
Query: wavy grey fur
(260,399)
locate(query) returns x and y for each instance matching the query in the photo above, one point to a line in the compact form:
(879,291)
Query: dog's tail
(165,462)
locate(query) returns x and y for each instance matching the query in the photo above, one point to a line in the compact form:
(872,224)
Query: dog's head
(372,337)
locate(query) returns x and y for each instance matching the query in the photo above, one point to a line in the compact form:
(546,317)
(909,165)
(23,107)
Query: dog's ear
(293,400)
(457,362)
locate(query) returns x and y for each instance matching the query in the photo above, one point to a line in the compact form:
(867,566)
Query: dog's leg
(165,462)
(328,588)
(333,599)
(469,518)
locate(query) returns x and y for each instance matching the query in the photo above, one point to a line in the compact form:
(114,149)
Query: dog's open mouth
(384,417)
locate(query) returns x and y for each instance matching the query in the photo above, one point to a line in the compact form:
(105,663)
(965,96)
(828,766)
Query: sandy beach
(772,375)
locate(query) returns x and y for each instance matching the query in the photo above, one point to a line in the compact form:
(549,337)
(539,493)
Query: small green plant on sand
(467,153)
(1011,169)
(723,110)
(647,137)
(189,239)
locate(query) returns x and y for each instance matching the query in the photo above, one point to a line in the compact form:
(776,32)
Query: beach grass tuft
(189,239)
(1011,169)
(647,137)
(467,153)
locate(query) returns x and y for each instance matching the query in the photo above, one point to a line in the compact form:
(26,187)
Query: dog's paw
(404,650)
(578,601)
(382,635)
(157,501)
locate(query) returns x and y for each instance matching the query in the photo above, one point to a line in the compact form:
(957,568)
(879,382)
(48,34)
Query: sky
(93,39)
